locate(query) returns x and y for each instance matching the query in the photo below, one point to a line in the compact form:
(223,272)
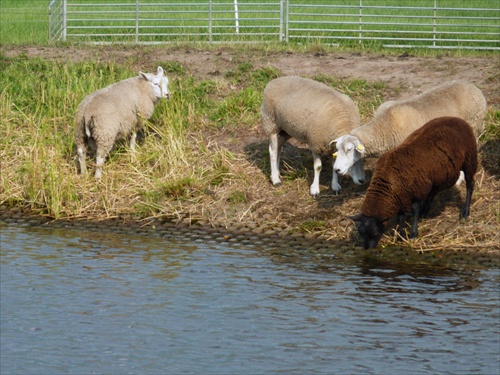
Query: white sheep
(116,112)
(395,120)
(311,112)
(410,175)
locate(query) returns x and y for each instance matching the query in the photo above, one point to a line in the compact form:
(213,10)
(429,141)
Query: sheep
(395,120)
(311,112)
(116,112)
(410,175)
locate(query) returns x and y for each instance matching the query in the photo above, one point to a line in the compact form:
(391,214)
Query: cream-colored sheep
(311,112)
(397,119)
(115,113)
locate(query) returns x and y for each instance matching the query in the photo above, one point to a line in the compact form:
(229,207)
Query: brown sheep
(410,175)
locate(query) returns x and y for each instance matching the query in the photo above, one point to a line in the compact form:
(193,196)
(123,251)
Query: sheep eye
(349,147)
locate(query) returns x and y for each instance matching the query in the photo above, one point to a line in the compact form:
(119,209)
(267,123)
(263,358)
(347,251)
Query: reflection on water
(88,302)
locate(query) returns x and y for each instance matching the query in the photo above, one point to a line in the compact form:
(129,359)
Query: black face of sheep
(370,228)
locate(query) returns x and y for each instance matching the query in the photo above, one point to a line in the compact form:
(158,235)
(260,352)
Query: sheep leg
(100,159)
(415,211)
(468,195)
(82,153)
(133,138)
(276,141)
(314,190)
(401,224)
(335,179)
(426,206)
(461,178)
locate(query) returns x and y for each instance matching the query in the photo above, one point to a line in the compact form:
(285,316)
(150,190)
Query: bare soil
(289,208)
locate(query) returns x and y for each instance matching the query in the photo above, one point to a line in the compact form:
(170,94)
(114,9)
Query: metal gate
(424,23)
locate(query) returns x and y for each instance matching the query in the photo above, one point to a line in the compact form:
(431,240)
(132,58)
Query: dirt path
(413,74)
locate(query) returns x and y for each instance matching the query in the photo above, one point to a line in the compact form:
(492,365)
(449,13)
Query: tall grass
(174,164)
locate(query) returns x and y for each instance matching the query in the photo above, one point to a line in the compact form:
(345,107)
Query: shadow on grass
(297,163)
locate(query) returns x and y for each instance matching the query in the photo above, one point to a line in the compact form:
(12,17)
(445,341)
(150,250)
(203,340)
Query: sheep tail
(89,125)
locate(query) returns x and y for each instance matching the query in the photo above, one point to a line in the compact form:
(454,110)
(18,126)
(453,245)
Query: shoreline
(241,195)
(253,235)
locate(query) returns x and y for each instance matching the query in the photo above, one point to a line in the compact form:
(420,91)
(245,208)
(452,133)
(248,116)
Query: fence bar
(302,21)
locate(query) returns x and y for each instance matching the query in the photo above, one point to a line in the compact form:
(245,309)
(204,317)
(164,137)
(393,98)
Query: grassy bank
(186,167)
(38,102)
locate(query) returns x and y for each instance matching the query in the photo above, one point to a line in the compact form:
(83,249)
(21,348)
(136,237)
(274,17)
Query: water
(83,302)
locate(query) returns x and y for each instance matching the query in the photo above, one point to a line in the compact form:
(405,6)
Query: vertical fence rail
(420,23)
(434,23)
(360,21)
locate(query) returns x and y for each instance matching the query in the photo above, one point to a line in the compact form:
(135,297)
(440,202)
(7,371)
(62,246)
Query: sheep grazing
(410,175)
(311,112)
(116,112)
(396,120)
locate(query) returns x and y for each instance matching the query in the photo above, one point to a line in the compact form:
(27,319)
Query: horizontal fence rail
(391,23)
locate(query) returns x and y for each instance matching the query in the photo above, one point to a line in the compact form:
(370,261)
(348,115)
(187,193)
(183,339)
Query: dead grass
(216,173)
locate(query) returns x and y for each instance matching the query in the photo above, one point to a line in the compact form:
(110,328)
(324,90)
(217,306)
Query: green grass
(38,100)
(24,21)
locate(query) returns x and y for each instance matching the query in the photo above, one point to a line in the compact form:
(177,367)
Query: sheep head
(370,228)
(349,157)
(158,81)
(349,151)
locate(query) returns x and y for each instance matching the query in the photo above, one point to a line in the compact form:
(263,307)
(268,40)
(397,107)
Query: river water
(87,302)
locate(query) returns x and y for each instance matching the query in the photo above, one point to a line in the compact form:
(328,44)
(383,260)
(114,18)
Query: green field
(333,22)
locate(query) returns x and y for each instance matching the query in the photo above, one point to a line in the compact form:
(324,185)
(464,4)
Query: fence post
(434,28)
(64,20)
(210,21)
(236,17)
(286,17)
(360,21)
(280,36)
(137,22)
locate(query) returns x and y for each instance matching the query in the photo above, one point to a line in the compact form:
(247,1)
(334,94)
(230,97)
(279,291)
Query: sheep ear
(355,218)
(159,71)
(144,75)
(360,148)
(337,140)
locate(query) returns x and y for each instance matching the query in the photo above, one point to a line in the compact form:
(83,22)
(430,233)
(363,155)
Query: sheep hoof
(277,184)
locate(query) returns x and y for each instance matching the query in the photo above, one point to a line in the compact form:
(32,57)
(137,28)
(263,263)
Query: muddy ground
(289,207)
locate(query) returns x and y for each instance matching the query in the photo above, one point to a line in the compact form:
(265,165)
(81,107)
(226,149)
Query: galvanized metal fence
(424,23)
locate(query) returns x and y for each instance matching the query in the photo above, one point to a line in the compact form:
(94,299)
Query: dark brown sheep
(410,175)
